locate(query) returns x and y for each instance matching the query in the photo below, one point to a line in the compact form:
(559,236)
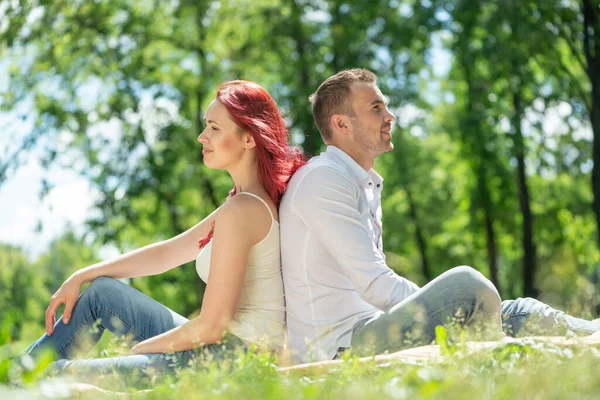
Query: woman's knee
(104,288)
(103,284)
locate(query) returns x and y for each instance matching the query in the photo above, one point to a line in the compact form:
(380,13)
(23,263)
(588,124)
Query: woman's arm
(149,260)
(153,259)
(242,222)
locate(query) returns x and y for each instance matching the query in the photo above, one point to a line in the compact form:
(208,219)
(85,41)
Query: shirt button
(379,185)
(370,183)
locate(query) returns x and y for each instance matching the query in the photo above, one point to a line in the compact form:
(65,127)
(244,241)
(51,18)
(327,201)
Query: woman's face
(222,142)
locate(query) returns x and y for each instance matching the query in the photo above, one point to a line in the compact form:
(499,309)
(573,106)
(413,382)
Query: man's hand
(67,294)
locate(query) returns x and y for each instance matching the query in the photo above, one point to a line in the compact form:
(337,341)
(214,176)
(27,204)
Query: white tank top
(260,316)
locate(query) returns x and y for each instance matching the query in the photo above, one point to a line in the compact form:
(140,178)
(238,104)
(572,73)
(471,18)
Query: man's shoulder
(311,179)
(319,171)
(318,167)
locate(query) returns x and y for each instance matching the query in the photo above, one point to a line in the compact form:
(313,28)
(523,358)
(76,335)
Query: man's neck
(366,162)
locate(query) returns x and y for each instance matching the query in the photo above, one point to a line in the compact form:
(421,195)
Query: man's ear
(340,123)
(249,142)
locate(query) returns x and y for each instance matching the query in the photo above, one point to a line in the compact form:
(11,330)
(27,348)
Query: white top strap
(261,199)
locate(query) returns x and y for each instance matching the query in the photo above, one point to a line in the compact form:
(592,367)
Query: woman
(239,258)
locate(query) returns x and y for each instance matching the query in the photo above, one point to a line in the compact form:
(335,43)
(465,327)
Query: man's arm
(327,202)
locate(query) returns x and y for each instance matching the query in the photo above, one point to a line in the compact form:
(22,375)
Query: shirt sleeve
(328,203)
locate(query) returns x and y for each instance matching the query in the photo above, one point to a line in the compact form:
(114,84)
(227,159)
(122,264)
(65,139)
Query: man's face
(372,121)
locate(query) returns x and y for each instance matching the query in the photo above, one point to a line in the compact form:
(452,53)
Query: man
(339,291)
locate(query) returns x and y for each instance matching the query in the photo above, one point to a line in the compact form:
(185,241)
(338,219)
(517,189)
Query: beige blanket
(433,353)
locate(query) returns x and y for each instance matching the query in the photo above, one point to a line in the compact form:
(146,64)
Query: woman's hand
(141,348)
(148,346)
(67,294)
(135,350)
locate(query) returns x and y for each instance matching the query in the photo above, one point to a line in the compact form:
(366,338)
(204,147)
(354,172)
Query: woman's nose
(202,137)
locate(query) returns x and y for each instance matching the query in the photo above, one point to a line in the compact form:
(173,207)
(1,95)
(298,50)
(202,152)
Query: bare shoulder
(246,213)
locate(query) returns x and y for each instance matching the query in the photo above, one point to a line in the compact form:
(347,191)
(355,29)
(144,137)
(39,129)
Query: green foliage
(116,90)
(26,286)
(511,370)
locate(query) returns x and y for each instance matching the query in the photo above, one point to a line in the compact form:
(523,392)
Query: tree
(577,25)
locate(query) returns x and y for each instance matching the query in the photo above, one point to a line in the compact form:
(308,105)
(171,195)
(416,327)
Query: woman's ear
(249,142)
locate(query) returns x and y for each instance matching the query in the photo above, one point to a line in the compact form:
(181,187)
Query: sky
(21,209)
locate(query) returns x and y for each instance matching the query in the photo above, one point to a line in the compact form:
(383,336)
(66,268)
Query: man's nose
(390,117)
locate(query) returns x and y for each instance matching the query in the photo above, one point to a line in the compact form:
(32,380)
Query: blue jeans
(527,316)
(464,296)
(126,312)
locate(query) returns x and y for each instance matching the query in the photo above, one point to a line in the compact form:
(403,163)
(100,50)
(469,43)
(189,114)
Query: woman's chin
(211,165)
(207,162)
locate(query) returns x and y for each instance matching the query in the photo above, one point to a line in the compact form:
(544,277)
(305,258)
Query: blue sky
(20,207)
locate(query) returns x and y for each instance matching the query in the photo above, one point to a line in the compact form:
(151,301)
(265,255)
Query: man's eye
(214,128)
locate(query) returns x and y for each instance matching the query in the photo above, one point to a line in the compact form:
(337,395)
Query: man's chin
(386,149)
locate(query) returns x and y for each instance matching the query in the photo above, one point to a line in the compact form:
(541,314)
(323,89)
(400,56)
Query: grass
(525,370)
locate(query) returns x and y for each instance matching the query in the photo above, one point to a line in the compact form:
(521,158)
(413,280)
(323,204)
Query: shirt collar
(369,179)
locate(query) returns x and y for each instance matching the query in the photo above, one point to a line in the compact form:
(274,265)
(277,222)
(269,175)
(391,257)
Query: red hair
(254,110)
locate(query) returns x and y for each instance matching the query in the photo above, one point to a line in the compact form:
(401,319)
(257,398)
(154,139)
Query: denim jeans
(126,312)
(464,296)
(527,316)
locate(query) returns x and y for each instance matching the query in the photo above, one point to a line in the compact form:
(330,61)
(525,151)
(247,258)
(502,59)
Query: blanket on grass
(414,356)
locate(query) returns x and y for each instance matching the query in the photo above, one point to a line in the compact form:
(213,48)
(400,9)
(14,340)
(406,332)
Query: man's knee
(473,281)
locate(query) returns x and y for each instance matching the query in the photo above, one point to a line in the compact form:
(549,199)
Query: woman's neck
(246,178)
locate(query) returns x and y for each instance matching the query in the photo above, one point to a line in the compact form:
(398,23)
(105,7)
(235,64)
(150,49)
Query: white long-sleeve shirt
(334,269)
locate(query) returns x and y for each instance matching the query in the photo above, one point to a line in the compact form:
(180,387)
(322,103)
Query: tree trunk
(201,8)
(529,251)
(421,244)
(312,138)
(335,27)
(595,118)
(486,201)
(591,46)
(479,157)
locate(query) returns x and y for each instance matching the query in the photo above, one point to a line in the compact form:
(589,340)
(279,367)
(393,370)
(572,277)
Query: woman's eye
(214,128)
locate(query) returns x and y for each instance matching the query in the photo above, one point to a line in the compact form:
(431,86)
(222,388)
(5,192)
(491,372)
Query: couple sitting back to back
(328,262)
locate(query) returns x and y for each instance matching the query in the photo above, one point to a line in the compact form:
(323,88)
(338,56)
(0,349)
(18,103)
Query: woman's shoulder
(244,203)
(247,212)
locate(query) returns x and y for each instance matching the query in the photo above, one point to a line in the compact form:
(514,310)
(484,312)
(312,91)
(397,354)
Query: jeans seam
(70,342)
(115,370)
(123,322)
(515,314)
(89,317)
(437,312)
(580,329)
(506,316)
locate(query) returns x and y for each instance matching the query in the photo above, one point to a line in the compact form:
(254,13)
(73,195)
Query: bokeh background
(497,142)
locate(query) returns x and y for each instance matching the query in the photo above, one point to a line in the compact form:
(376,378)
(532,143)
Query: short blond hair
(333,96)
